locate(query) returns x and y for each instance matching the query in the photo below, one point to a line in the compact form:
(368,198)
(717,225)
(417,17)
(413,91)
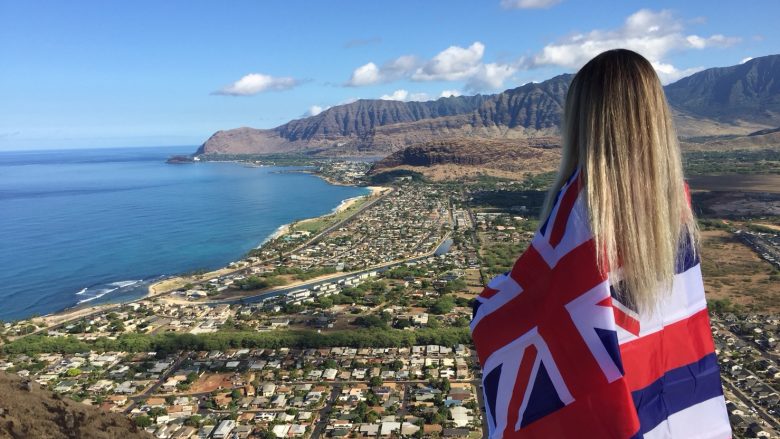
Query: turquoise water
(92,226)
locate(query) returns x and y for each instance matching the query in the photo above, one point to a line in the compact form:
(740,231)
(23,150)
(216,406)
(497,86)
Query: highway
(442,248)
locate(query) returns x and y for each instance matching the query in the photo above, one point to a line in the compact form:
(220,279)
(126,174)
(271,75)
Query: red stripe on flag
(607,412)
(564,210)
(648,358)
(622,319)
(529,267)
(625,321)
(544,293)
(487,293)
(521,386)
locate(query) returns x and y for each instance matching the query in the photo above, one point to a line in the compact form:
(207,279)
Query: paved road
(771,356)
(323,416)
(148,392)
(750,403)
(443,246)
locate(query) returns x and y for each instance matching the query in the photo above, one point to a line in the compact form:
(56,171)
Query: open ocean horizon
(99,225)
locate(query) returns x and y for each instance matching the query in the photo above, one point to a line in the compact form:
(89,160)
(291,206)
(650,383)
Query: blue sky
(147,73)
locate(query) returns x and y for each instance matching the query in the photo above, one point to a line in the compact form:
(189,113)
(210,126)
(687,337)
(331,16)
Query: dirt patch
(733,271)
(473,281)
(735,204)
(736,182)
(27,411)
(211,382)
(769,226)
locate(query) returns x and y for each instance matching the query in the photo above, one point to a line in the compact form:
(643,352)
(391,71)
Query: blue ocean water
(90,226)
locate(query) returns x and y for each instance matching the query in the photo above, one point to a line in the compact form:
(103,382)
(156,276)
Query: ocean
(99,225)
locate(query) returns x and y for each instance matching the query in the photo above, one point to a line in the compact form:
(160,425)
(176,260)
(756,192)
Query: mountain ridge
(734,100)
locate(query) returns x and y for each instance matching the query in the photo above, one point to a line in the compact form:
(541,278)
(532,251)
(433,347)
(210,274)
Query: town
(351,325)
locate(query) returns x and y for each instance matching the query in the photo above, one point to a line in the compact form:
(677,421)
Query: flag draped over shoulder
(561,356)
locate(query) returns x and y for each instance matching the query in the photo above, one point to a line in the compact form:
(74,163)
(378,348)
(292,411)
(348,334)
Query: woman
(601,329)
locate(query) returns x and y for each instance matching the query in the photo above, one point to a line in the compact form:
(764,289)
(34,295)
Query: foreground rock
(27,411)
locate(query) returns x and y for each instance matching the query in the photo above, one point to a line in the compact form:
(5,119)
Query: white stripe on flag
(688,423)
(507,288)
(577,232)
(686,299)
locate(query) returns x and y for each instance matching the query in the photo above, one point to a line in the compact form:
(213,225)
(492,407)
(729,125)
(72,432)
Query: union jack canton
(562,357)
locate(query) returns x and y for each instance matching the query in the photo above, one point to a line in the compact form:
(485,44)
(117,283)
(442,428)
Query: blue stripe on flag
(543,229)
(677,390)
(687,257)
(544,398)
(475,307)
(491,390)
(610,341)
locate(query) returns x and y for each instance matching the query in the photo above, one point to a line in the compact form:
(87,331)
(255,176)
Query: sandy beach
(176,282)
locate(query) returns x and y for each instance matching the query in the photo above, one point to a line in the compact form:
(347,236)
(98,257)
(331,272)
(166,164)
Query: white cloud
(528,4)
(405,96)
(454,63)
(490,76)
(370,73)
(366,74)
(398,95)
(358,42)
(348,101)
(450,93)
(420,97)
(315,110)
(653,34)
(744,60)
(255,83)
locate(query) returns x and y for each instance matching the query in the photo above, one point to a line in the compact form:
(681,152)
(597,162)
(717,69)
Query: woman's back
(616,342)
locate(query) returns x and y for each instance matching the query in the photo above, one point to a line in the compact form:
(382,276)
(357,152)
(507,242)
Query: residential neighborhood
(356,328)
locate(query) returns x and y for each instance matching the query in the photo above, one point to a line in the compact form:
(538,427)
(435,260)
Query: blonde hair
(618,129)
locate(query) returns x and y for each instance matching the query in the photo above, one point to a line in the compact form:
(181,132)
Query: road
(150,391)
(322,418)
(443,246)
(750,403)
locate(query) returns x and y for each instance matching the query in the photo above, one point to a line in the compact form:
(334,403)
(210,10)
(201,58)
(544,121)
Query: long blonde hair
(618,129)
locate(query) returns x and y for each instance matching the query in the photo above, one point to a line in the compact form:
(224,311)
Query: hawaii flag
(562,357)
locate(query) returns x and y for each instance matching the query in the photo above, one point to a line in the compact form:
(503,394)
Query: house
(281,430)
(297,430)
(369,430)
(461,416)
(455,432)
(387,429)
(155,402)
(224,429)
(185,432)
(268,390)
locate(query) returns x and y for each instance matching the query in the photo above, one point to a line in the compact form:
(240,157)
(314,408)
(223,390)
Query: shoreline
(176,281)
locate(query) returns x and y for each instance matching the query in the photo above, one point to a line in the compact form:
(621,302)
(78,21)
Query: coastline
(177,281)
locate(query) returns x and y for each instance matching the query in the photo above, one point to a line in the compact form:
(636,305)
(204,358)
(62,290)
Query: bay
(93,226)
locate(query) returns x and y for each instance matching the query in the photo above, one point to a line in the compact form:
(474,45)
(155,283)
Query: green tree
(143,421)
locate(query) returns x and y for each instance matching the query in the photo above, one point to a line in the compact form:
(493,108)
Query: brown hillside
(27,411)
(467,157)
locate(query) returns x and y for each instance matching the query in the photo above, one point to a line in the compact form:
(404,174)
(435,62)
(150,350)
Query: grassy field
(316,225)
(736,182)
(733,271)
